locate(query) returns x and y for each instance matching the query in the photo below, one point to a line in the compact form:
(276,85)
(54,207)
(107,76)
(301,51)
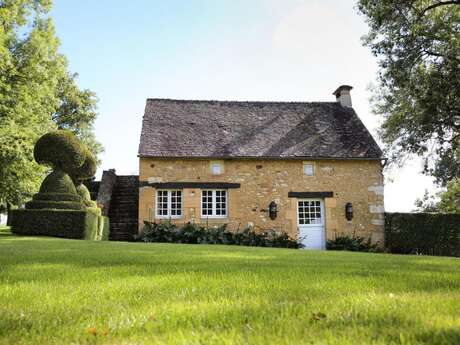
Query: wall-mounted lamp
(273,210)
(349,211)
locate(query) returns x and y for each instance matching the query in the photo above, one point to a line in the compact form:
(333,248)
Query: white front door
(310,219)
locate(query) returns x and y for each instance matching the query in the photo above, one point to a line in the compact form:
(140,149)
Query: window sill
(168,217)
(214,217)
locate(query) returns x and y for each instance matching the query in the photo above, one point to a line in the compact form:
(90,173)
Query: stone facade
(262,181)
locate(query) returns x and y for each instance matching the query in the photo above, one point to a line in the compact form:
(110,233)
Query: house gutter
(265,158)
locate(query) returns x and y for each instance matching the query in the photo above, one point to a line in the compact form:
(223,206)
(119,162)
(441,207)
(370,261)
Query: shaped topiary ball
(61,150)
(87,170)
(57,192)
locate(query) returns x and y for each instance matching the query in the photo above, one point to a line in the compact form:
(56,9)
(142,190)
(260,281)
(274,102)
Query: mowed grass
(55,291)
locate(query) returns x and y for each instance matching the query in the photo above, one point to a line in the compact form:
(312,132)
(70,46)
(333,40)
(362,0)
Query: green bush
(423,233)
(58,182)
(56,192)
(351,243)
(61,150)
(54,205)
(58,223)
(56,197)
(196,234)
(88,168)
(103,228)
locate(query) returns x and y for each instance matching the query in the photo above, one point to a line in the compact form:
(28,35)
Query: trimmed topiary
(61,150)
(60,208)
(87,170)
(85,196)
(58,182)
(56,192)
(55,205)
(56,197)
(83,192)
(76,224)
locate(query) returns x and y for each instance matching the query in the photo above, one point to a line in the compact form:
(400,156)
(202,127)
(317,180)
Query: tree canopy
(417,43)
(37,94)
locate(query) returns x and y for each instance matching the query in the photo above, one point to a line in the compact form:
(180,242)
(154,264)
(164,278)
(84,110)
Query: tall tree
(417,43)
(37,94)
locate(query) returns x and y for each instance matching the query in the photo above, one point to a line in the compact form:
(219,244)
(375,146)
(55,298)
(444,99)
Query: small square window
(308,169)
(216,168)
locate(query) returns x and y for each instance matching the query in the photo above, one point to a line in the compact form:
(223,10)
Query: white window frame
(214,203)
(304,167)
(321,206)
(169,203)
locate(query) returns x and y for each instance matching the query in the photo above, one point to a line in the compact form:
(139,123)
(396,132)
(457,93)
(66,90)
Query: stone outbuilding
(310,169)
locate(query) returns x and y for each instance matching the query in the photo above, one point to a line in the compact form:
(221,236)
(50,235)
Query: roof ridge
(174,100)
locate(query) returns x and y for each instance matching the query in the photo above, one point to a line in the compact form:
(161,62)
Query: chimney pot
(342,95)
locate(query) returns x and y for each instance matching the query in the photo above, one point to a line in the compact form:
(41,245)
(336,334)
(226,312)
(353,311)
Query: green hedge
(103,228)
(60,223)
(423,233)
(57,197)
(60,149)
(59,205)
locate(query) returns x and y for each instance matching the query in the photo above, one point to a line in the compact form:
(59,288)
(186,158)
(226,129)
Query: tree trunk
(8,209)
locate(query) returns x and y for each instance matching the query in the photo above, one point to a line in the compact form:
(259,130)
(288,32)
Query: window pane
(214,203)
(206,203)
(309,212)
(169,203)
(308,169)
(162,203)
(216,169)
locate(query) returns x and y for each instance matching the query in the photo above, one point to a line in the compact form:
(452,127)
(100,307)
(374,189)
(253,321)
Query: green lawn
(55,291)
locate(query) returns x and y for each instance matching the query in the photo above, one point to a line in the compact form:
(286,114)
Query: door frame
(323,219)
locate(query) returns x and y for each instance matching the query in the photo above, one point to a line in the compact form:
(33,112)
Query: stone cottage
(310,169)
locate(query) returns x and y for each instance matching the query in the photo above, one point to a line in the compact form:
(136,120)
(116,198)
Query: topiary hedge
(87,169)
(56,205)
(57,192)
(60,223)
(56,197)
(61,150)
(58,182)
(423,233)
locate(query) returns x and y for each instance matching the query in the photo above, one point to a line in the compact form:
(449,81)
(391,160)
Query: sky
(257,50)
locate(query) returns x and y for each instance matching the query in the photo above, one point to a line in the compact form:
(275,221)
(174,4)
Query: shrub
(58,182)
(59,223)
(423,233)
(56,192)
(196,234)
(61,150)
(54,205)
(87,169)
(351,243)
(103,228)
(56,197)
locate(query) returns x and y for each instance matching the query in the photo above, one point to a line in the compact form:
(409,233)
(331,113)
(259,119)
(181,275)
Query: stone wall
(104,196)
(262,181)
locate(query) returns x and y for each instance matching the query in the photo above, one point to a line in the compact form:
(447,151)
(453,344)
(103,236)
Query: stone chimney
(342,94)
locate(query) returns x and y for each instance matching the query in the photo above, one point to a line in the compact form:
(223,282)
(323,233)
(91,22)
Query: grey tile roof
(180,128)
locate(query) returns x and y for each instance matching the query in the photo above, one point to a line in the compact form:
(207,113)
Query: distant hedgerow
(196,234)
